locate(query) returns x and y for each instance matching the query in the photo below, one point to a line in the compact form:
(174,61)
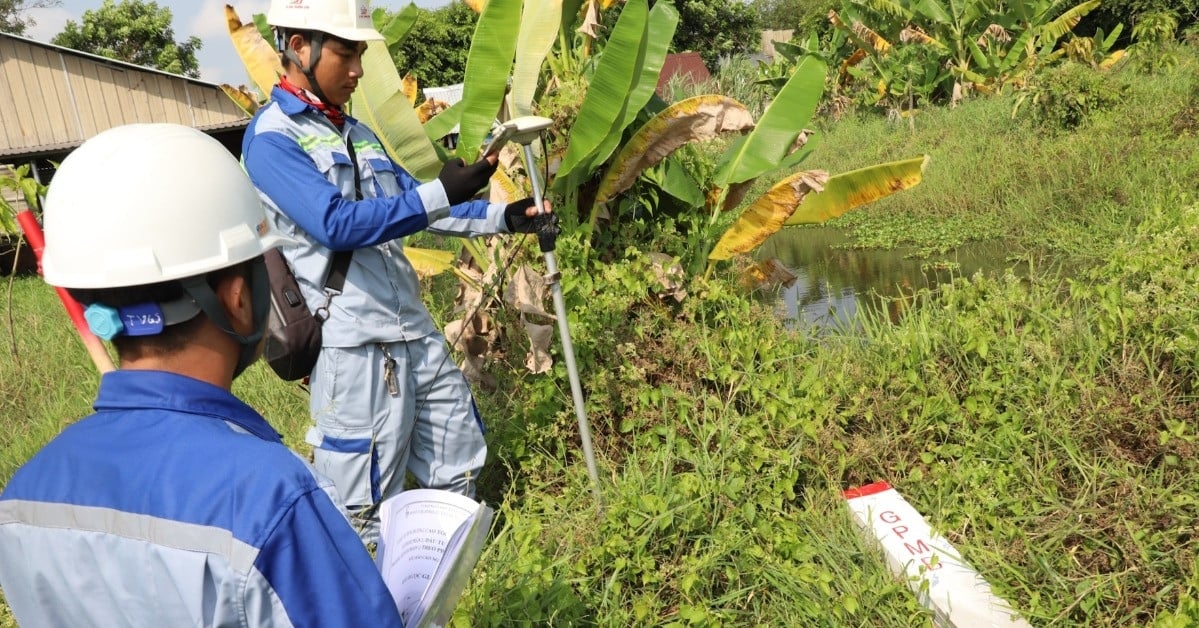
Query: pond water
(835,284)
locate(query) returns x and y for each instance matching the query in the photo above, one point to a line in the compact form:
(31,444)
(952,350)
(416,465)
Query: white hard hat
(347,19)
(145,203)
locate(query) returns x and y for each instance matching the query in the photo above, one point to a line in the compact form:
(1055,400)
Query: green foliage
(804,16)
(967,46)
(435,49)
(136,31)
(1149,280)
(29,189)
(1129,12)
(1067,96)
(715,29)
(13,14)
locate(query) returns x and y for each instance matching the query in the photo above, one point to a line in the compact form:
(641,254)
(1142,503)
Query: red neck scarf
(333,112)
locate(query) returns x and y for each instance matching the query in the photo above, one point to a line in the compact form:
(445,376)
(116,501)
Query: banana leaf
(538,31)
(858,187)
(781,123)
(933,10)
(410,88)
(737,191)
(487,68)
(765,216)
(380,102)
(245,100)
(674,179)
(571,10)
(608,93)
(429,262)
(1067,21)
(691,120)
(260,57)
(443,123)
(663,19)
(395,29)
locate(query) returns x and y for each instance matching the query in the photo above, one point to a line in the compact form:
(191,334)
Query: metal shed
(53,98)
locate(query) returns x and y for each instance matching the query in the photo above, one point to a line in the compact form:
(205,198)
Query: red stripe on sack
(869,489)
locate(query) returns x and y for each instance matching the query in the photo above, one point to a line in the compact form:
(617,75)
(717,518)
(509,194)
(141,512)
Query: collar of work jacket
(143,390)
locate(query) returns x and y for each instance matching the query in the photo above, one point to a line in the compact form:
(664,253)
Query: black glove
(461,182)
(518,222)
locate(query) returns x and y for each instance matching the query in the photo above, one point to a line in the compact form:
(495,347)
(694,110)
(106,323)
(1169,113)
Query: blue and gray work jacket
(300,163)
(176,504)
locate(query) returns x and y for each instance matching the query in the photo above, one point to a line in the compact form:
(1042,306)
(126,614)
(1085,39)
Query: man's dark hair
(285,35)
(174,338)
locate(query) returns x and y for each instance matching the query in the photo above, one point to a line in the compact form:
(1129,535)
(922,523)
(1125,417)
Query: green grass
(1045,424)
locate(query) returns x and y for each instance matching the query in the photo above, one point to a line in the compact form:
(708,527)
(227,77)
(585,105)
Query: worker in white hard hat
(385,396)
(175,504)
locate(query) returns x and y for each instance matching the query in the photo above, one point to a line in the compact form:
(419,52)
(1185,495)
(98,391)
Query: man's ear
(233,293)
(299,44)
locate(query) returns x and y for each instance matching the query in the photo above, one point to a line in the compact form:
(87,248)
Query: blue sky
(202,18)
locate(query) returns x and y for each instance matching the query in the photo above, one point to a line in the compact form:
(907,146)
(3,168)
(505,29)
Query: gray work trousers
(373,423)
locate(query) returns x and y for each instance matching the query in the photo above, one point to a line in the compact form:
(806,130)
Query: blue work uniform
(385,395)
(176,504)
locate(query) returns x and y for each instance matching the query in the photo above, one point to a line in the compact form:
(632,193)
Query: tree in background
(800,15)
(715,29)
(435,50)
(1128,12)
(134,31)
(12,14)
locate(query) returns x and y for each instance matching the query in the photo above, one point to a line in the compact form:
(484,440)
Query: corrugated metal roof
(54,98)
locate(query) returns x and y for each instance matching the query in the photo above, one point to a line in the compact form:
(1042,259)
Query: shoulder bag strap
(341,259)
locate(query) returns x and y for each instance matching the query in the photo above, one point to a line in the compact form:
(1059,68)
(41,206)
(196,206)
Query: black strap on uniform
(341,259)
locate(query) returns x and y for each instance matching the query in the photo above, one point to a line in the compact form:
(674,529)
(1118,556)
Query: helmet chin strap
(260,298)
(316,41)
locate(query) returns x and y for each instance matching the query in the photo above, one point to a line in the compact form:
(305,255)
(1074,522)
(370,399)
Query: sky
(203,18)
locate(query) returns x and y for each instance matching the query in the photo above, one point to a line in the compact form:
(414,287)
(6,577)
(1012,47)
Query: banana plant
(983,44)
(776,144)
(1096,51)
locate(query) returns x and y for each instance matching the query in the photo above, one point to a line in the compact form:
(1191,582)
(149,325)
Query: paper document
(429,542)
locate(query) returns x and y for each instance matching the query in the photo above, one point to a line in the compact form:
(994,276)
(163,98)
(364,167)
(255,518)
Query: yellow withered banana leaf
(429,262)
(1111,59)
(858,187)
(503,189)
(240,95)
(477,5)
(410,88)
(257,54)
(694,119)
(767,215)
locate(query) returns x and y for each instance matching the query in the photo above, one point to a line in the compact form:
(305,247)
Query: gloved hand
(518,221)
(461,182)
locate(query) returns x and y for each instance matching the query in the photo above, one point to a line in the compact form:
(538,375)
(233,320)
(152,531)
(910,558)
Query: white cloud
(50,22)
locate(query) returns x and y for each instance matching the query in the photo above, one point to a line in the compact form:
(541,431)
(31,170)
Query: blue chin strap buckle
(142,319)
